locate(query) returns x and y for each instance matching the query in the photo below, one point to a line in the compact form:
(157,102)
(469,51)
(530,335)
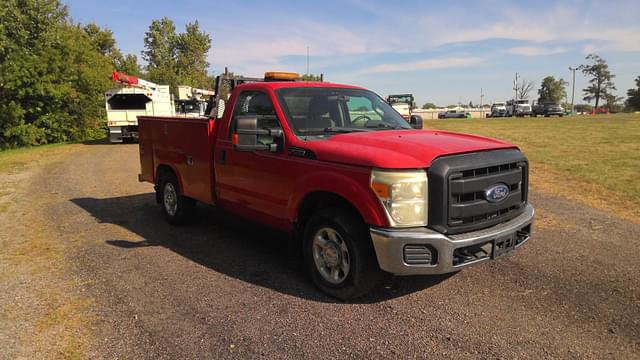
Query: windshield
(323,111)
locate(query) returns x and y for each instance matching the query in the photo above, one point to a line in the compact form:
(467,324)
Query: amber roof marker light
(281,76)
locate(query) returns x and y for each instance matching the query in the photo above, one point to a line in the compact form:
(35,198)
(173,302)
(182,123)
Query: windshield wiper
(340,129)
(382,126)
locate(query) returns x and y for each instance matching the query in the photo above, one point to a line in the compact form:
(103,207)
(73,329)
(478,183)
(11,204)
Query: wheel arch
(318,200)
(162,170)
(321,199)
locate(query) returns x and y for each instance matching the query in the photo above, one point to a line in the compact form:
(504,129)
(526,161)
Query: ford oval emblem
(496,193)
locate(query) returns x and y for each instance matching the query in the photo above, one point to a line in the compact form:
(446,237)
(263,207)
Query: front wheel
(177,209)
(339,254)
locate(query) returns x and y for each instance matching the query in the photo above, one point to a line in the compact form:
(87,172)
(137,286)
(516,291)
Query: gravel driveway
(222,287)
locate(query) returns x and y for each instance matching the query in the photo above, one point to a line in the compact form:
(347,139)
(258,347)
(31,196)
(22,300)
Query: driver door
(252,183)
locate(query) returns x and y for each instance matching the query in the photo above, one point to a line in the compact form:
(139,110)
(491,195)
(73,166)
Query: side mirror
(248,136)
(416,122)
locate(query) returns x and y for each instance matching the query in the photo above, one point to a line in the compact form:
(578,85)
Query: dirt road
(222,288)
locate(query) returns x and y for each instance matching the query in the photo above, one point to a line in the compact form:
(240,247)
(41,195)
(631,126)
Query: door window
(259,104)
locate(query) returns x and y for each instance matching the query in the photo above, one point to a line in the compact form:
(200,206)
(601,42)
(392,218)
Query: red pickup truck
(358,189)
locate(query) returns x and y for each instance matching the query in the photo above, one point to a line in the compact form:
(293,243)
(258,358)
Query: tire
(177,209)
(339,254)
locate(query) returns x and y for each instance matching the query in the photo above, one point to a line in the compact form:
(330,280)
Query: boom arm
(129,80)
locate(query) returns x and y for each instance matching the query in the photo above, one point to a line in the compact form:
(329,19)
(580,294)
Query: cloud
(588,49)
(536,50)
(556,29)
(559,24)
(437,63)
(255,50)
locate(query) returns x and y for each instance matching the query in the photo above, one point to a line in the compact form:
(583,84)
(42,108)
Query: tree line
(600,89)
(54,71)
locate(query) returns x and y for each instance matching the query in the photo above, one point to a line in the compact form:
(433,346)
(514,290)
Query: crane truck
(404,105)
(358,189)
(191,101)
(134,98)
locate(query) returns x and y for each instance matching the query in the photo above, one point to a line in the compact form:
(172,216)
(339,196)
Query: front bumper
(396,249)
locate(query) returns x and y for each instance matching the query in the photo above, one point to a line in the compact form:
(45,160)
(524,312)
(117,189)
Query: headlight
(403,195)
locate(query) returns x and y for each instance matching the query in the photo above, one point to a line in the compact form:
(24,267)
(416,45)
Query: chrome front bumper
(395,248)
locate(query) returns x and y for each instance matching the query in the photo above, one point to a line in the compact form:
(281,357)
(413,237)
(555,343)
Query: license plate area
(504,245)
(508,243)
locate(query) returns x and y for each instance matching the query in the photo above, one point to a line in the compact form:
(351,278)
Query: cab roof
(274,85)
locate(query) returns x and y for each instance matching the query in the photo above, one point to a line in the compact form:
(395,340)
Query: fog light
(418,255)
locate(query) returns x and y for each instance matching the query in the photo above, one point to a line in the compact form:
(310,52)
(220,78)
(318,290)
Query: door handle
(223,157)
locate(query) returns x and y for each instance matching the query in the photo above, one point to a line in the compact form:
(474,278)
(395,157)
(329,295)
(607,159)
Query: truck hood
(398,149)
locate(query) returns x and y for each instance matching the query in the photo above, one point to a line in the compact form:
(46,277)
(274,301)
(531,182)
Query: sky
(444,52)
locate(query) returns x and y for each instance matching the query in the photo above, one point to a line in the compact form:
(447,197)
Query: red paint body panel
(270,187)
(184,144)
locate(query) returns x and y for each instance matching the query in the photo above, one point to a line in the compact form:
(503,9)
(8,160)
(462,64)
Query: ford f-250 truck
(359,190)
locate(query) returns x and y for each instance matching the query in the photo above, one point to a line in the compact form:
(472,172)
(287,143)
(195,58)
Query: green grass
(602,153)
(17,158)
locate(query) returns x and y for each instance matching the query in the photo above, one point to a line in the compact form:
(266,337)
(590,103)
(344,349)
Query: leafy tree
(129,65)
(613,103)
(311,77)
(191,51)
(551,90)
(601,82)
(633,96)
(177,59)
(429,106)
(53,76)
(103,42)
(159,53)
(471,105)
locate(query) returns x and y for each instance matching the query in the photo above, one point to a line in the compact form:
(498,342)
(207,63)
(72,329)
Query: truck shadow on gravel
(229,245)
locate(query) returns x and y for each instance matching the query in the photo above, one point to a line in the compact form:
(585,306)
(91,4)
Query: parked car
(498,110)
(547,109)
(520,108)
(454,114)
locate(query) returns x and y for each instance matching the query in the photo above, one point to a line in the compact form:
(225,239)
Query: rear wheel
(177,209)
(339,254)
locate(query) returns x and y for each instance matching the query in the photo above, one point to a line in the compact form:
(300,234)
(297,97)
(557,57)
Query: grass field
(17,158)
(592,159)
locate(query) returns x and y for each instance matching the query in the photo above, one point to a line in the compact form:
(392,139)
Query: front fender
(354,190)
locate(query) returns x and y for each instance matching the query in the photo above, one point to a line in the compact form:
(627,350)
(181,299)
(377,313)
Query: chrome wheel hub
(331,255)
(170,199)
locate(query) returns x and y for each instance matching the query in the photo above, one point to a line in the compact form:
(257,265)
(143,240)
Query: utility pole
(515,87)
(573,86)
(307,60)
(515,96)
(481,105)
